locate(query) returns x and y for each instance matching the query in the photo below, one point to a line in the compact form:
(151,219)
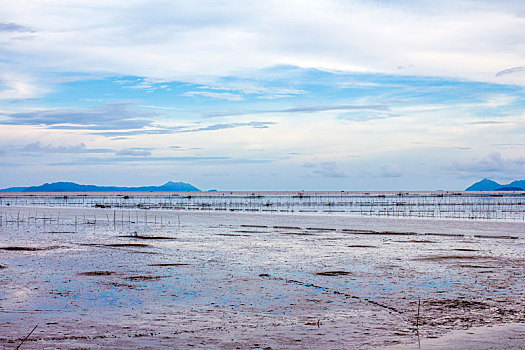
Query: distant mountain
(509,188)
(518,183)
(484,185)
(489,185)
(169,186)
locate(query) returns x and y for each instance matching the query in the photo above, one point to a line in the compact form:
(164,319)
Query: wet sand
(258,281)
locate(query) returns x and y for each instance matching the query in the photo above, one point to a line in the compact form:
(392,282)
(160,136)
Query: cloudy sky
(263,95)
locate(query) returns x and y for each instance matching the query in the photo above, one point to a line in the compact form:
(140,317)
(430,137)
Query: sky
(263,95)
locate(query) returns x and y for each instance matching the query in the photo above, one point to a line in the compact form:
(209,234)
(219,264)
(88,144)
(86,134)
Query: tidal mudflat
(93,278)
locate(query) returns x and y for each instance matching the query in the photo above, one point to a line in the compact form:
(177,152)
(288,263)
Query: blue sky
(313,95)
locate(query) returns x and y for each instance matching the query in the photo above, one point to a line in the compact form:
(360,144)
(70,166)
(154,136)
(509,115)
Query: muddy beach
(92,278)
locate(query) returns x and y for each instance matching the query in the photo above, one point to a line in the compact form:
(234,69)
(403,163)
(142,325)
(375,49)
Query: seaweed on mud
(96,273)
(333,273)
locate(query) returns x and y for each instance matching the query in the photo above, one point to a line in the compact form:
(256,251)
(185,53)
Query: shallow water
(110,278)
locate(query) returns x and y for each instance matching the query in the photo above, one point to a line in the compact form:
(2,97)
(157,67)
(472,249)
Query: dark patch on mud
(169,264)
(472,266)
(3,267)
(320,229)
(121,285)
(96,273)
(349,230)
(416,241)
(121,245)
(465,250)
(451,257)
(455,304)
(297,233)
(287,227)
(144,278)
(264,275)
(255,226)
(333,273)
(464,313)
(444,234)
(27,249)
(139,245)
(232,235)
(362,246)
(147,237)
(496,237)
(370,232)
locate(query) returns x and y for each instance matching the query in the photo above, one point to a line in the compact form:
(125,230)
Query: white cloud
(220,95)
(193,40)
(19,86)
(493,163)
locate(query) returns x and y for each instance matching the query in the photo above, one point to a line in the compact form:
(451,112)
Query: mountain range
(489,185)
(74,187)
